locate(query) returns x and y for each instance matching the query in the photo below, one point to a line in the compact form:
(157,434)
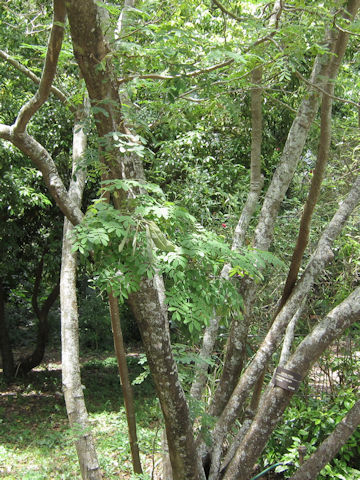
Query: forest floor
(36,442)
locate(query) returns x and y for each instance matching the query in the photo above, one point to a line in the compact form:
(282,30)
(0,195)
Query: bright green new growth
(152,235)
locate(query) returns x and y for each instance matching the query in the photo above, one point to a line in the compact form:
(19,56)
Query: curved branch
(330,446)
(277,398)
(317,263)
(195,73)
(227,12)
(21,68)
(43,161)
(48,74)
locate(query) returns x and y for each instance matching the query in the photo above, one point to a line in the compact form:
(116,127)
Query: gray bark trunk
(90,48)
(72,387)
(277,398)
(272,340)
(330,446)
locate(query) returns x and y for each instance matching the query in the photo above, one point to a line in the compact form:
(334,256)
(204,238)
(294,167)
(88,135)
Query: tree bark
(90,49)
(72,387)
(7,357)
(311,468)
(236,344)
(322,159)
(48,74)
(276,400)
(272,340)
(36,357)
(125,382)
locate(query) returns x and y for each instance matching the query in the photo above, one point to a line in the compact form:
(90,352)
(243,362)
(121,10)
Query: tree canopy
(204,156)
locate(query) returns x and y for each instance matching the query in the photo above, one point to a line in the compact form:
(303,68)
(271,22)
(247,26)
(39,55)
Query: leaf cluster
(149,235)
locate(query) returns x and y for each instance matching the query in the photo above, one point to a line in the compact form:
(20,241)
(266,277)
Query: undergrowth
(36,442)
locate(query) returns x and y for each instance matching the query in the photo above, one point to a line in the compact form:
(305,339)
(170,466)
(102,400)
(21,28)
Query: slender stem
(125,382)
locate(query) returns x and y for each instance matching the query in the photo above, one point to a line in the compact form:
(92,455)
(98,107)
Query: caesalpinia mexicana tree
(193,456)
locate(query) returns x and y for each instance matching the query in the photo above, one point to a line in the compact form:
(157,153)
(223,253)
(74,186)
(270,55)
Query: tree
(137,240)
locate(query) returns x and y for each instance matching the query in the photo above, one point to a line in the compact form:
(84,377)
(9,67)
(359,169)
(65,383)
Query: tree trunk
(277,398)
(125,382)
(90,48)
(5,345)
(330,446)
(317,262)
(42,314)
(72,387)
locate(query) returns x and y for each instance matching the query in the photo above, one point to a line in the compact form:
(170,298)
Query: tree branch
(277,398)
(21,68)
(227,12)
(48,74)
(324,92)
(195,73)
(330,446)
(43,161)
(317,262)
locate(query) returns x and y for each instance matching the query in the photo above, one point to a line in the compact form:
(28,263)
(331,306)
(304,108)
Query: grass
(36,442)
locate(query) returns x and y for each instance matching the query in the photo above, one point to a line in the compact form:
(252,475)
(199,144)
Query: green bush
(307,422)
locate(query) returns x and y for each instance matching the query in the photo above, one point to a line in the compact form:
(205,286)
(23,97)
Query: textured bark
(290,336)
(273,406)
(233,364)
(91,48)
(256,179)
(330,446)
(235,349)
(125,382)
(72,387)
(322,159)
(206,351)
(46,165)
(292,151)
(150,311)
(7,357)
(272,340)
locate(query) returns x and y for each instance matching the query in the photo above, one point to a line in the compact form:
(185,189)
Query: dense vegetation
(193,169)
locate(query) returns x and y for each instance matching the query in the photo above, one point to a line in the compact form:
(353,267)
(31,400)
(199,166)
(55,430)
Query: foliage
(160,236)
(307,422)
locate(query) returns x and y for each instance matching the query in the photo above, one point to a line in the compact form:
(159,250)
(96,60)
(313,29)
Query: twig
(156,76)
(19,66)
(227,12)
(324,92)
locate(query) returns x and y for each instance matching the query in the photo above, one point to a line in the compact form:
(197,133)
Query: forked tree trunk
(72,387)
(276,398)
(42,313)
(90,48)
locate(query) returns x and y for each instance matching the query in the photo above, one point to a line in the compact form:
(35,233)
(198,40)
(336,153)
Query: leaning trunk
(72,387)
